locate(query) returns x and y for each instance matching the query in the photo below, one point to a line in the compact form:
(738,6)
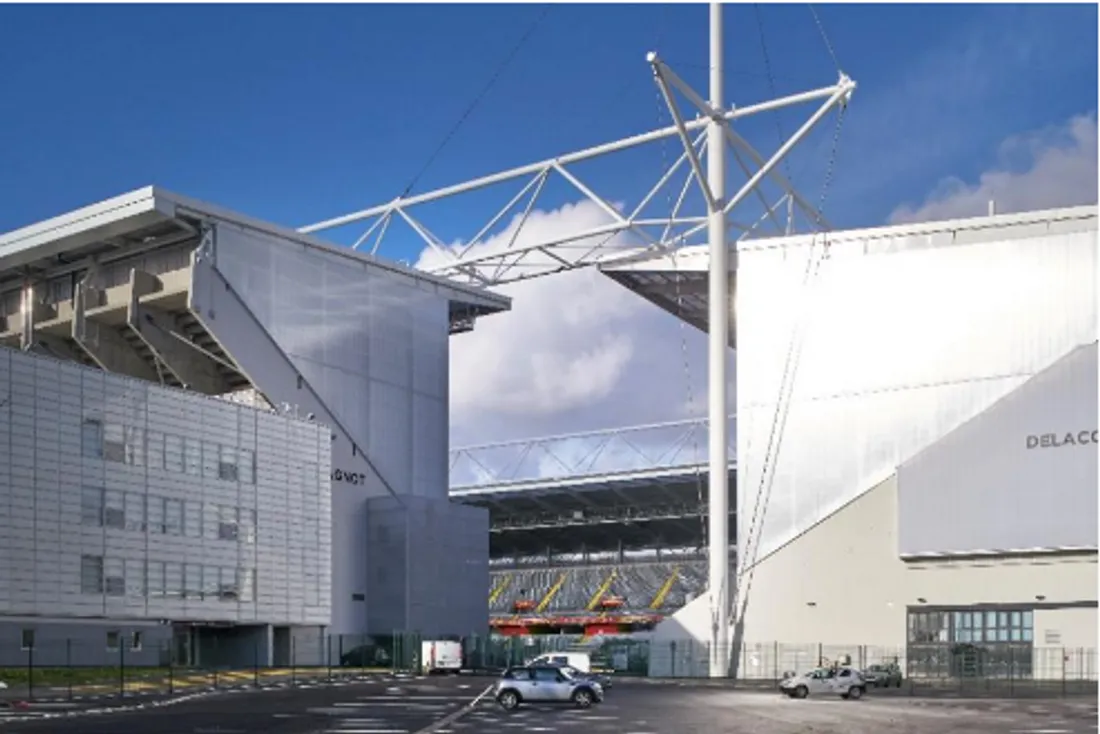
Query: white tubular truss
(673,445)
(522,259)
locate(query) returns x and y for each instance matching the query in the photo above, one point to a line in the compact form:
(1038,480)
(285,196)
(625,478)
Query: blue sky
(297,113)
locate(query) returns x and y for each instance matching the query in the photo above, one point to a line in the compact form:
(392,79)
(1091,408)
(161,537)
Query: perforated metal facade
(123,499)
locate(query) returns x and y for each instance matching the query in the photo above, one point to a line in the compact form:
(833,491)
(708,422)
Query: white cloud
(577,351)
(1048,168)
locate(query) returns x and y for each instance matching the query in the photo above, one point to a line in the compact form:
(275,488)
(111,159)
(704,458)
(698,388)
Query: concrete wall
(121,499)
(849,563)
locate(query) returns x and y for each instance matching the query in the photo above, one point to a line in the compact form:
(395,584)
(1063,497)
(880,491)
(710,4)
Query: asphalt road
(440,706)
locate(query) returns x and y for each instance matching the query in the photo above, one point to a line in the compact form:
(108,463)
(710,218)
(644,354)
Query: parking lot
(443,706)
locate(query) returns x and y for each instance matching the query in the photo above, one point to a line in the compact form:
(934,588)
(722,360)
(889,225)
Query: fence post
(256,663)
(30,670)
(293,662)
(1063,672)
(69,665)
(328,654)
(121,665)
(775,659)
(172,666)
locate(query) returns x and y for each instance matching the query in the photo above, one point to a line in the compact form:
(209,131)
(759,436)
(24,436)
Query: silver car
(545,684)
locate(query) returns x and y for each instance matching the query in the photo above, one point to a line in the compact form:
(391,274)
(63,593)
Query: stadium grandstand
(592,533)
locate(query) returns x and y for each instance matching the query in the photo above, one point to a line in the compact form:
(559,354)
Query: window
(91,574)
(155,512)
(248,526)
(154,574)
(210,517)
(114,442)
(91,438)
(545,674)
(154,449)
(135,447)
(926,627)
(192,519)
(114,638)
(27,640)
(173,580)
(135,641)
(211,582)
(114,577)
(210,457)
(91,506)
(192,457)
(229,589)
(114,512)
(519,674)
(135,578)
(173,517)
(228,527)
(192,578)
(246,579)
(135,511)
(227,463)
(173,453)
(246,466)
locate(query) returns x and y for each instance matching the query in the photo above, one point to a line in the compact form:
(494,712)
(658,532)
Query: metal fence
(73,669)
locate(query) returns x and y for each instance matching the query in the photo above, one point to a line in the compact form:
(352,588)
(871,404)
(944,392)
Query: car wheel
(854,693)
(508,700)
(801,692)
(582,698)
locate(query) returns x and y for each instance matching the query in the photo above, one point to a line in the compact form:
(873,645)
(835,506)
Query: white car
(843,681)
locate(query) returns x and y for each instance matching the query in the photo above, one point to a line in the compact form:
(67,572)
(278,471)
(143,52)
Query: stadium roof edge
(47,240)
(676,280)
(690,258)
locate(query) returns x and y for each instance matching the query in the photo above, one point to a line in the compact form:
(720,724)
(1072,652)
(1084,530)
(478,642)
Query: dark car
(883,676)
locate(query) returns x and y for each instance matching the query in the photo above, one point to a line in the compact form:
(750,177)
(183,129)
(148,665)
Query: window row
(156,450)
(139,512)
(971,625)
(165,579)
(114,640)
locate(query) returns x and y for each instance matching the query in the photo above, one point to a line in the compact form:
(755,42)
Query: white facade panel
(97,519)
(1020,476)
(894,343)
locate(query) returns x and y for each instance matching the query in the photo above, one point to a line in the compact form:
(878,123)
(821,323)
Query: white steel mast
(718,319)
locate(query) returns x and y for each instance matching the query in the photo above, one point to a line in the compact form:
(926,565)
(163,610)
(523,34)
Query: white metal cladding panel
(898,348)
(369,342)
(1009,479)
(45,472)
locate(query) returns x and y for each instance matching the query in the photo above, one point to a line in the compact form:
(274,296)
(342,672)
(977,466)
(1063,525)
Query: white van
(440,656)
(579,660)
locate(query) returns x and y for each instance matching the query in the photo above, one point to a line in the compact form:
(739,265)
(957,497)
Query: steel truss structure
(520,257)
(654,448)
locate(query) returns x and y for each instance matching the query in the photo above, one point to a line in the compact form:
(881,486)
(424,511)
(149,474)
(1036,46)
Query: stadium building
(933,485)
(223,440)
(607,544)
